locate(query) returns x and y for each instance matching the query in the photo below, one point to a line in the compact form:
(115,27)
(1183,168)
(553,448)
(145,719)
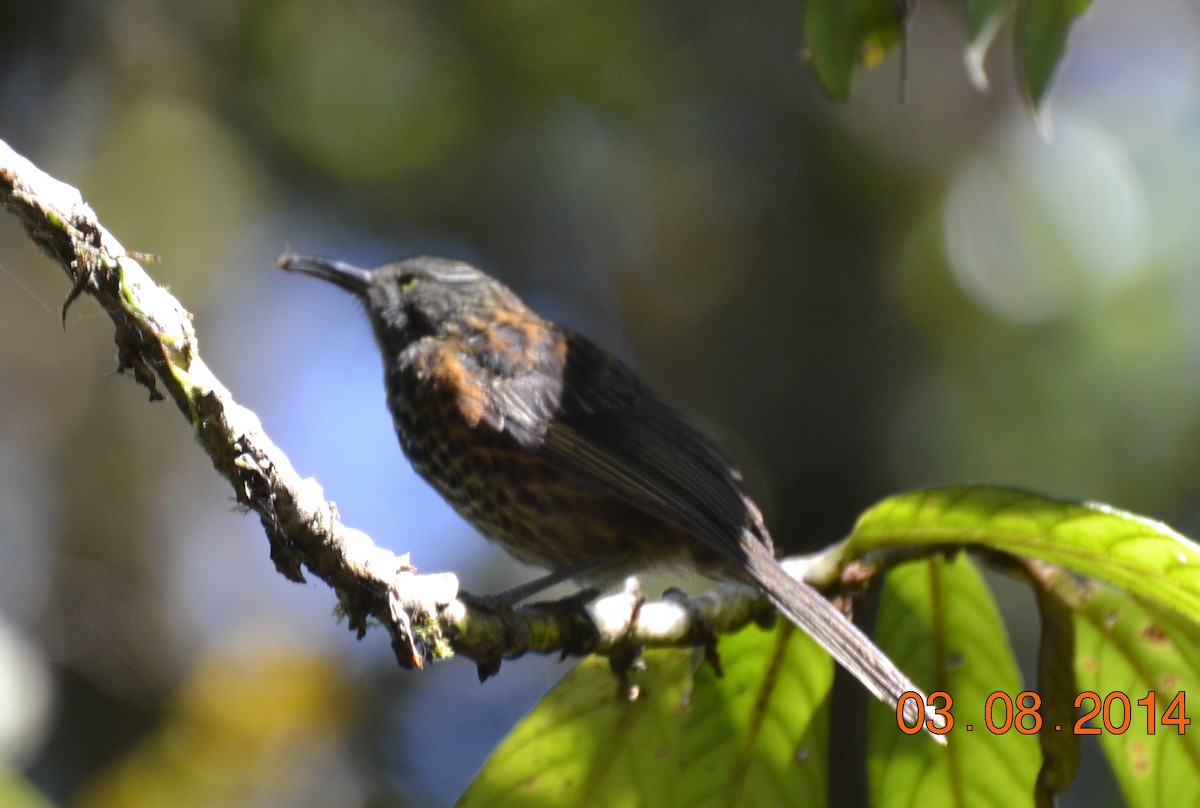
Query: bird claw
(625,658)
(700,633)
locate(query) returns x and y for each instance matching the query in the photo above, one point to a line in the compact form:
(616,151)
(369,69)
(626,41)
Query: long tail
(822,621)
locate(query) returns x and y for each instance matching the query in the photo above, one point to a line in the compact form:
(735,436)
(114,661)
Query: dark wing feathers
(602,424)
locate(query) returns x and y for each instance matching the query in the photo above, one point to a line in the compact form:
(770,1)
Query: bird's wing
(602,424)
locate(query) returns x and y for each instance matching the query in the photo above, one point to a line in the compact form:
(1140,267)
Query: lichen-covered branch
(424,614)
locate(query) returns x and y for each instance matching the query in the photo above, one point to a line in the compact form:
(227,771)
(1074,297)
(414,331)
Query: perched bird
(557,450)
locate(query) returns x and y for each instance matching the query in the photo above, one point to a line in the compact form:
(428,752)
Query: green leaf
(1140,555)
(757,736)
(1131,649)
(938,621)
(582,744)
(840,35)
(1042,27)
(984,18)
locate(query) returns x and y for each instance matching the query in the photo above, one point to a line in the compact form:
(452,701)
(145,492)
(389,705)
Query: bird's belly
(537,513)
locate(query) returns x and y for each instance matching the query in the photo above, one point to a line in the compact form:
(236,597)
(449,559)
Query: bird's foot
(700,633)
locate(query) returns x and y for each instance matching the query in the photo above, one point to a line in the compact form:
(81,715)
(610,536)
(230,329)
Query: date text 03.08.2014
(1114,713)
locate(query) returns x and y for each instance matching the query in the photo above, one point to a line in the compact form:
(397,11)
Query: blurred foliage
(853,299)
(16,792)
(1042,27)
(260,728)
(842,35)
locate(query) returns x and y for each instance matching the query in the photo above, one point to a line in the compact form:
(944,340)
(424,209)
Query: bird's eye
(408,282)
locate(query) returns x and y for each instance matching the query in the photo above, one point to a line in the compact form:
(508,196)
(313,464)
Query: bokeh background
(854,299)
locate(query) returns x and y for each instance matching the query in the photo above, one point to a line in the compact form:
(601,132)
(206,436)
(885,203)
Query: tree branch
(424,614)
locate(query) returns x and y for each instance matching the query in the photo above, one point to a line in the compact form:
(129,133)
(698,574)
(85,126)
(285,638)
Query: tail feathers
(844,641)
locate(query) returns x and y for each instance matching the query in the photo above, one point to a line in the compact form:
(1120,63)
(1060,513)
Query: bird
(562,454)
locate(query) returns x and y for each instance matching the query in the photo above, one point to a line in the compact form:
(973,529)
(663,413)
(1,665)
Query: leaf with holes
(1127,651)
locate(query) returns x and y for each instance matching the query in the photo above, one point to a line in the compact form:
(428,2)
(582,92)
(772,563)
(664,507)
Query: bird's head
(414,298)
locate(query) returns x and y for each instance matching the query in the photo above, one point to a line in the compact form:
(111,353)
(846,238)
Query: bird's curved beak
(355,280)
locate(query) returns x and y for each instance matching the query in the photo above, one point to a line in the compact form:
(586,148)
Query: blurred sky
(853,299)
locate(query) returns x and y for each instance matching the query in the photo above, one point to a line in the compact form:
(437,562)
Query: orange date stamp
(1113,713)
